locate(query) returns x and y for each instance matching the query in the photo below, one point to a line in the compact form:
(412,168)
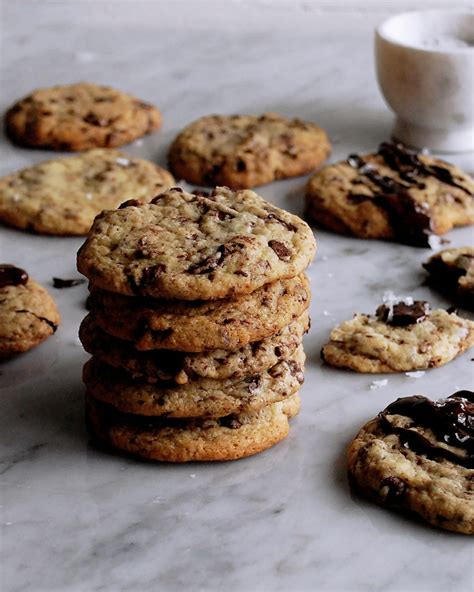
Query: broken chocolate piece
(12,276)
(402,315)
(60,283)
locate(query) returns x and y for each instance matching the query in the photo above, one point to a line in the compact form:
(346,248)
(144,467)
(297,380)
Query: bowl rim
(383,35)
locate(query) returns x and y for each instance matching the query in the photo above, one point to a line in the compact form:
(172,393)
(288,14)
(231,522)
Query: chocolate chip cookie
(203,397)
(201,326)
(180,367)
(225,438)
(394,194)
(403,336)
(63,196)
(243,151)
(452,272)
(28,314)
(418,455)
(78,117)
(190,247)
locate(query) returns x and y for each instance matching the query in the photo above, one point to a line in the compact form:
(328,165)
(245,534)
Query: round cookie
(63,196)
(404,336)
(28,314)
(243,151)
(188,247)
(168,365)
(417,456)
(204,397)
(452,272)
(200,326)
(393,194)
(78,117)
(226,438)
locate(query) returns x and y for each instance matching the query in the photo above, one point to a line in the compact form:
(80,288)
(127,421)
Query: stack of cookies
(198,308)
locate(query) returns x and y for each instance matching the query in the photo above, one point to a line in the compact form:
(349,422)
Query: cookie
(180,367)
(403,336)
(226,438)
(203,397)
(78,117)
(418,456)
(452,272)
(63,196)
(28,314)
(394,194)
(243,151)
(200,326)
(188,247)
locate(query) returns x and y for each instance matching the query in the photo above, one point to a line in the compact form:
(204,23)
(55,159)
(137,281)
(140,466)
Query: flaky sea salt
(89,196)
(122,161)
(193,475)
(375,384)
(415,374)
(434,242)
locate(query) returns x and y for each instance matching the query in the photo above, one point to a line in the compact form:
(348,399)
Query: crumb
(375,384)
(416,374)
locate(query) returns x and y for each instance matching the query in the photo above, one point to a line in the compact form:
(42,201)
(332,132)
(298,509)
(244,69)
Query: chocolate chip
(392,489)
(60,283)
(296,371)
(282,251)
(178,189)
(131,202)
(272,217)
(402,315)
(92,119)
(277,351)
(217,259)
(12,276)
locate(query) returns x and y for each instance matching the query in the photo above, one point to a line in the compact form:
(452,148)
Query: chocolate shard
(282,251)
(60,283)
(402,314)
(12,276)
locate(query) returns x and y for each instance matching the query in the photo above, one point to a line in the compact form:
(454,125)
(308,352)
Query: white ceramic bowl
(425,69)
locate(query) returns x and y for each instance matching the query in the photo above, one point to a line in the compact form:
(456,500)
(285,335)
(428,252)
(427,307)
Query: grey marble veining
(76,519)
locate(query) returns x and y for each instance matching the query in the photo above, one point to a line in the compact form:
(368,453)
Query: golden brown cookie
(188,247)
(226,438)
(393,194)
(78,117)
(180,367)
(403,336)
(203,397)
(418,456)
(243,151)
(201,326)
(452,272)
(28,314)
(63,196)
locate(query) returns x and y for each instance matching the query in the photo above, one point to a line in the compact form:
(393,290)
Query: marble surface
(74,519)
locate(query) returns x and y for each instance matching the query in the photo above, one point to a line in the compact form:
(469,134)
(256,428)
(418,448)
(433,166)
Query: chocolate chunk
(402,315)
(217,259)
(253,384)
(152,273)
(296,370)
(92,119)
(393,489)
(12,276)
(131,202)
(60,283)
(282,251)
(240,166)
(272,217)
(230,422)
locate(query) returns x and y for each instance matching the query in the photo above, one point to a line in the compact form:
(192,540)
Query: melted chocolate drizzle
(411,221)
(12,276)
(451,420)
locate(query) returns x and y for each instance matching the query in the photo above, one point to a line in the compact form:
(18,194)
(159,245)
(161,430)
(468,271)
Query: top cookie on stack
(189,247)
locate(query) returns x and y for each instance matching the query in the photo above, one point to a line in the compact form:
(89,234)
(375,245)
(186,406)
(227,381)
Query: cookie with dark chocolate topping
(418,456)
(394,194)
(226,438)
(188,247)
(403,336)
(203,397)
(452,272)
(28,314)
(78,117)
(243,151)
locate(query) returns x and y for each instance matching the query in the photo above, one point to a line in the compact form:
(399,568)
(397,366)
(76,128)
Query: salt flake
(416,374)
(375,384)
